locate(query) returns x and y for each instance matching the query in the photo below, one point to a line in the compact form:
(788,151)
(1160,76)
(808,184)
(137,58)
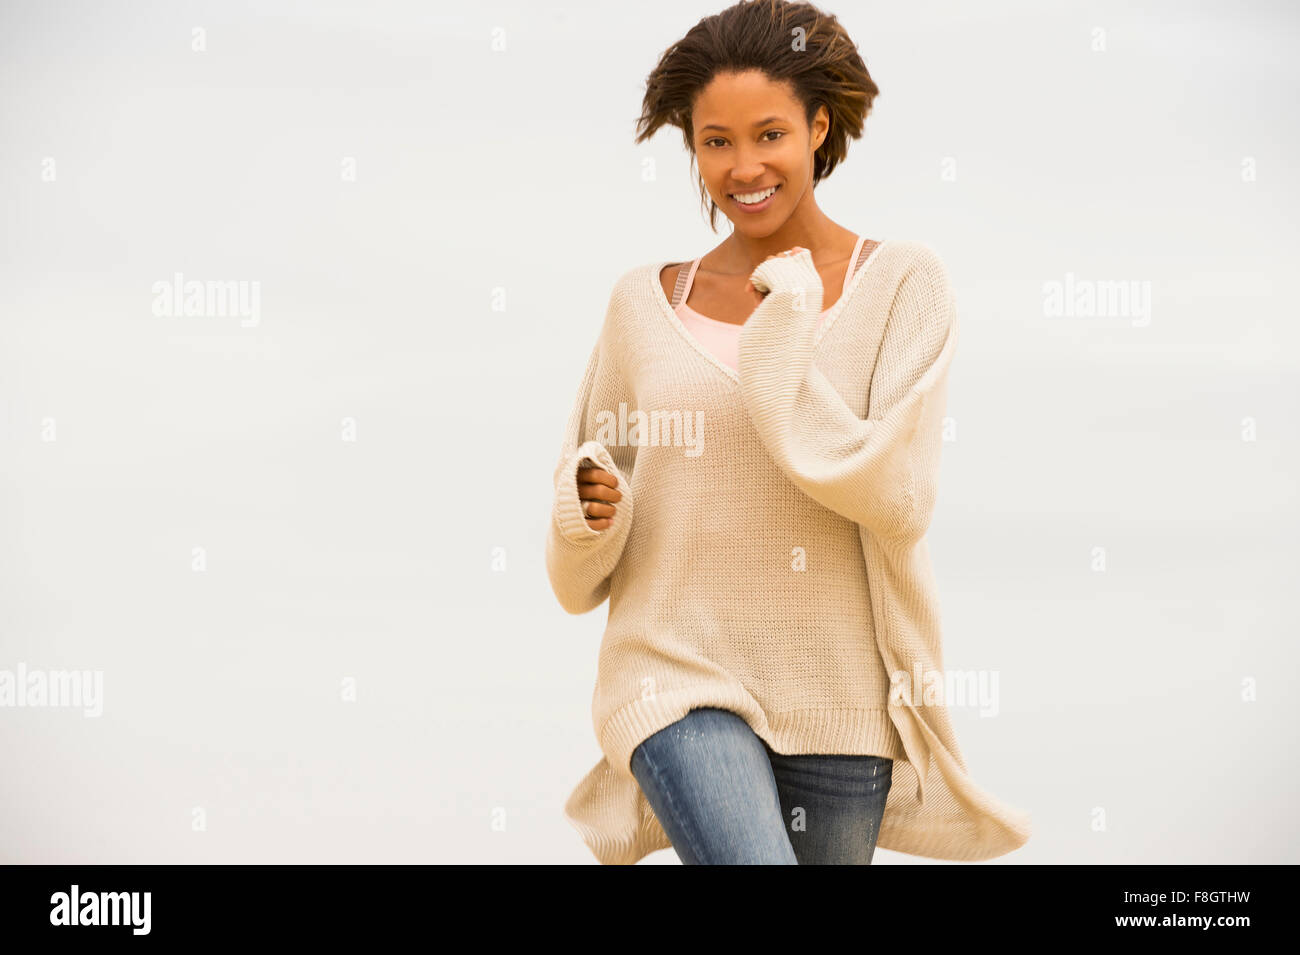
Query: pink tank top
(723,338)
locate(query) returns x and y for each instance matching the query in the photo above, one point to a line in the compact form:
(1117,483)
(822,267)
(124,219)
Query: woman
(747,476)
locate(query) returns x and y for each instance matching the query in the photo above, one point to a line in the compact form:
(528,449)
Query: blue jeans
(725,797)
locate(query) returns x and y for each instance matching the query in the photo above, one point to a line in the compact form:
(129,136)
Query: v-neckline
(654,271)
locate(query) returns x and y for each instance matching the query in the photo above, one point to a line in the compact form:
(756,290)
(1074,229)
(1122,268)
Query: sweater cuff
(790,273)
(568,507)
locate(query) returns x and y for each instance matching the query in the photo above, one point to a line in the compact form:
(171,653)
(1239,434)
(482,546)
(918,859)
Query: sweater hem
(955,837)
(831,730)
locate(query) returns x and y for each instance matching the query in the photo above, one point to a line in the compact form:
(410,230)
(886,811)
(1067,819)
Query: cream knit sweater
(768,554)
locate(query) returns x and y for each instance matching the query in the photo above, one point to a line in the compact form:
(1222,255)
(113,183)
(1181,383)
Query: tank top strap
(683,287)
(867,248)
(854,261)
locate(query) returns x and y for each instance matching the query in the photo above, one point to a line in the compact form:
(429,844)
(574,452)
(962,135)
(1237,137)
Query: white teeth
(750,198)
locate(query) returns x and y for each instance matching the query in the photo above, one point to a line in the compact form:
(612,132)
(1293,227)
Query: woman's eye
(722,142)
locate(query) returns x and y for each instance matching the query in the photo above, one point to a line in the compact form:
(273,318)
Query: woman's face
(751,138)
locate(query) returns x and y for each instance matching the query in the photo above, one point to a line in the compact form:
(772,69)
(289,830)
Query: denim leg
(710,783)
(832,805)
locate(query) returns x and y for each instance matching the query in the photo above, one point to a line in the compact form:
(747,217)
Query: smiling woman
(763,123)
(740,146)
(767,592)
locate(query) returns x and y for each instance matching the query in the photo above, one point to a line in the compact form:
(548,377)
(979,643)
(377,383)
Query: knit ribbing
(768,553)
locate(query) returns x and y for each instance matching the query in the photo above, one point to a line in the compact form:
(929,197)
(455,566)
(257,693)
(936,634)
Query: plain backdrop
(433,201)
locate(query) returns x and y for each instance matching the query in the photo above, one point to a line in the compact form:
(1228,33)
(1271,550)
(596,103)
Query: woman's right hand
(598,492)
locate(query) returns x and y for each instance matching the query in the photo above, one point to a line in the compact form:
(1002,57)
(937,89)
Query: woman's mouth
(755,201)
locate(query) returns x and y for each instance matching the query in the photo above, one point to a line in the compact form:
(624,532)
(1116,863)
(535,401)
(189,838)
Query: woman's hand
(749,286)
(597,493)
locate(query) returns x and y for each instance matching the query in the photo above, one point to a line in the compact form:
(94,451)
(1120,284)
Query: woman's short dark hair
(792,42)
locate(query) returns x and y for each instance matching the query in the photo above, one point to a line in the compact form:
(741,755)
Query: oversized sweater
(768,554)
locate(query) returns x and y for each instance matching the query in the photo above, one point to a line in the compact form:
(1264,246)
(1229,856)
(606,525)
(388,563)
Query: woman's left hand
(794,250)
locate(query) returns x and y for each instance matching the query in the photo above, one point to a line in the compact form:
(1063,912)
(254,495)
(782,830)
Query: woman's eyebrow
(761,122)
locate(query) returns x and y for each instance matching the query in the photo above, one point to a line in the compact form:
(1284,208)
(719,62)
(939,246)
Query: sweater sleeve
(881,472)
(579,560)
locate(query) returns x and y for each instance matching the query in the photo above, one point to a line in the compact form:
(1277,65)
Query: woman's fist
(598,493)
(749,286)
